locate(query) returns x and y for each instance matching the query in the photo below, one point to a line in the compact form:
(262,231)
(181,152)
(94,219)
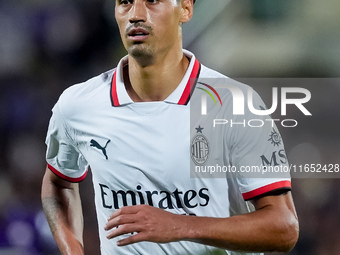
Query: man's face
(148,27)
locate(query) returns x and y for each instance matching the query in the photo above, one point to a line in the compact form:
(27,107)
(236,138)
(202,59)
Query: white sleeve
(262,149)
(62,155)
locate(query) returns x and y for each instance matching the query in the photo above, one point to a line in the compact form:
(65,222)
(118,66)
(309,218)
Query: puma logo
(95,144)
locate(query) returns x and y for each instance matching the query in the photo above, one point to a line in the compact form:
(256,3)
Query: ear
(187,10)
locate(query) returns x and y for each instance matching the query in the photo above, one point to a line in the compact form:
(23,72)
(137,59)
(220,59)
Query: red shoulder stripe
(70,179)
(265,189)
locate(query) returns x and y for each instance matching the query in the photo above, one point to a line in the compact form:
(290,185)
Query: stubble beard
(142,54)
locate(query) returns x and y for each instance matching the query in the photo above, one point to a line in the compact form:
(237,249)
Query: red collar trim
(114,95)
(189,88)
(185,98)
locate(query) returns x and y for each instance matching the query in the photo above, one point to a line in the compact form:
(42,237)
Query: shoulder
(87,88)
(82,95)
(207,72)
(226,85)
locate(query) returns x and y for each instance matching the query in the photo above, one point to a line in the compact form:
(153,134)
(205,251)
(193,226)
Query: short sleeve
(259,155)
(62,156)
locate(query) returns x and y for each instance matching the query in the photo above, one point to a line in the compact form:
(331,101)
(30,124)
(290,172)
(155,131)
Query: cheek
(121,26)
(119,16)
(170,28)
(165,24)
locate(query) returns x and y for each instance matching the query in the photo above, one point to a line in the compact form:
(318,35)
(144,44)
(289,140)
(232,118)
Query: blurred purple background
(46,46)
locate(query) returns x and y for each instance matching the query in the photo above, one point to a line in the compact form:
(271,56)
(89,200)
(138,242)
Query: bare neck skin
(154,78)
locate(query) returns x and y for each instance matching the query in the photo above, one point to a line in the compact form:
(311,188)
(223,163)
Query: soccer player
(131,127)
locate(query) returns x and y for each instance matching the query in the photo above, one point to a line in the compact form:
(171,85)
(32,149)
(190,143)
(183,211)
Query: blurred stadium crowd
(46,46)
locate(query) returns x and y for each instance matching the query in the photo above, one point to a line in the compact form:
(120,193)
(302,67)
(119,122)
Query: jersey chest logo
(199,147)
(94,143)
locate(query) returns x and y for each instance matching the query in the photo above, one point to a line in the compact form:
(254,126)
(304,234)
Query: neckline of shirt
(181,95)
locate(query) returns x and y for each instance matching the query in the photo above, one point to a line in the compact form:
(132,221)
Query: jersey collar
(181,95)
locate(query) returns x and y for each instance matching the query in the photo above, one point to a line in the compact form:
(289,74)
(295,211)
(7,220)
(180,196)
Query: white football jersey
(147,153)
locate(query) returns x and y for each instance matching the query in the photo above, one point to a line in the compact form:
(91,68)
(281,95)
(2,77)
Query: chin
(142,54)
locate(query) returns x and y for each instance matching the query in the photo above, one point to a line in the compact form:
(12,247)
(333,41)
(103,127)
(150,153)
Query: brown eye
(123,2)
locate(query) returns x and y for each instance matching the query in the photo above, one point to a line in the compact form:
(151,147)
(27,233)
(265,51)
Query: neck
(155,82)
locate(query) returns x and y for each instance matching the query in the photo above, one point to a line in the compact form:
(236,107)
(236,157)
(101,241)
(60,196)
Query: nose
(138,12)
